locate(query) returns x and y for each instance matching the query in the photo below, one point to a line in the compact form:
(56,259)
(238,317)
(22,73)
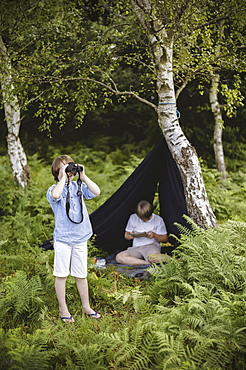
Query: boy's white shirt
(136,225)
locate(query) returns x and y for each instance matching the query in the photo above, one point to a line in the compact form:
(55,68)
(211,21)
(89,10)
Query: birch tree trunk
(218,127)
(16,152)
(183,152)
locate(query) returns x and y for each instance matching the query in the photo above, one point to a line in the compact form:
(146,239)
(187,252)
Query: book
(138,235)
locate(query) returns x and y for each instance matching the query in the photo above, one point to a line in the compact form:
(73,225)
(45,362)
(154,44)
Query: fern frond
(193,230)
(139,350)
(141,302)
(89,357)
(29,357)
(21,298)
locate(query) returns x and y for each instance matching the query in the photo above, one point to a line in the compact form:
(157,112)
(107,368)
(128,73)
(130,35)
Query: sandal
(67,319)
(93,315)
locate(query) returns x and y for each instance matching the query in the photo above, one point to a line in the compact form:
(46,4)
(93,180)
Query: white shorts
(70,259)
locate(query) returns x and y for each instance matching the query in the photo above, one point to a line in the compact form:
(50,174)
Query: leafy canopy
(67,55)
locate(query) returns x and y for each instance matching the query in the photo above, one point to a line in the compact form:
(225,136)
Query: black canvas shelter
(158,172)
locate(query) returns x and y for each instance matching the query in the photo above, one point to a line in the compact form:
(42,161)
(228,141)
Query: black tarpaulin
(157,172)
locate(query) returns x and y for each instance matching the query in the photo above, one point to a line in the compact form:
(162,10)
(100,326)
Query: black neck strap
(79,193)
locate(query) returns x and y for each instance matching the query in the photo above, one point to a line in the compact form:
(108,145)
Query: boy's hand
(62,171)
(128,235)
(159,238)
(62,176)
(94,188)
(150,234)
(82,174)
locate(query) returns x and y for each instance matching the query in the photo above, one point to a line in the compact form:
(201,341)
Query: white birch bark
(16,152)
(218,126)
(183,152)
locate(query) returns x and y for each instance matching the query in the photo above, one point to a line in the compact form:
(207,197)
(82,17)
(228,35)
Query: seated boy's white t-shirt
(136,225)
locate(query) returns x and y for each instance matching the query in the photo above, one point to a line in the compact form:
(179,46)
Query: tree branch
(181,88)
(116,91)
(181,12)
(113,89)
(36,97)
(116,25)
(225,16)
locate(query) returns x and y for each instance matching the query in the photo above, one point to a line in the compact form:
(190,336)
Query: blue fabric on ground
(126,270)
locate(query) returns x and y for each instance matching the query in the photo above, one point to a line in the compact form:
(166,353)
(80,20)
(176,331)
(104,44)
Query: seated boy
(146,230)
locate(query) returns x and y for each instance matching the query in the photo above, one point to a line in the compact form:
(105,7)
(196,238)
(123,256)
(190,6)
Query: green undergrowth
(189,315)
(226,197)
